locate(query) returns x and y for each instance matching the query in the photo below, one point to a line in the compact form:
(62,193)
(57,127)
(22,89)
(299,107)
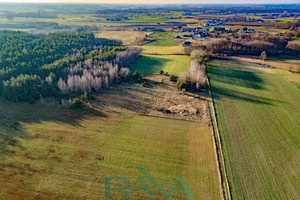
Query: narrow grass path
(224,184)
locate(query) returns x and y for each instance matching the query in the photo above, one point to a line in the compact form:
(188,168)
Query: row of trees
(197,75)
(244,43)
(247,47)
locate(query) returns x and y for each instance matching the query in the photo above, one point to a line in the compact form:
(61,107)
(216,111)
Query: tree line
(251,44)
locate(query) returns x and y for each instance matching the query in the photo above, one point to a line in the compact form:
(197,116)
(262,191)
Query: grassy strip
(225,187)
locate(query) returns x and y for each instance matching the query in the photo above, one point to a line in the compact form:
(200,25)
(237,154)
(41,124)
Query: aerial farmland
(130,101)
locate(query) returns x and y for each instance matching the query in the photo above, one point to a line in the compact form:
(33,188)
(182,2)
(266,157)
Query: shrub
(181,85)
(200,58)
(77,103)
(198,54)
(162,81)
(144,84)
(92,97)
(161,72)
(234,35)
(127,78)
(84,98)
(137,77)
(173,78)
(139,80)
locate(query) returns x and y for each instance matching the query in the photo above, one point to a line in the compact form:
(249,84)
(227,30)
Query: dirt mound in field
(161,100)
(184,110)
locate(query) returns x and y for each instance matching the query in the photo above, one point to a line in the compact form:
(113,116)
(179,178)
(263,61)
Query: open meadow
(258,116)
(285,62)
(127,37)
(172,64)
(165,42)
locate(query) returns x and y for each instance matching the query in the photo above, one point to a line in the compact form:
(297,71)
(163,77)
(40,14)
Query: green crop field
(282,62)
(173,64)
(50,152)
(165,42)
(163,34)
(288,63)
(286,21)
(258,117)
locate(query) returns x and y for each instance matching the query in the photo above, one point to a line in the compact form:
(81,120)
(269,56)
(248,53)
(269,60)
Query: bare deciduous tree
(263,55)
(62,86)
(89,75)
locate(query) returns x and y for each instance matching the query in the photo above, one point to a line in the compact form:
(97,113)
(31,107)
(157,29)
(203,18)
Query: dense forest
(59,64)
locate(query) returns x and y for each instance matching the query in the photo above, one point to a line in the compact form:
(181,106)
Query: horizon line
(150,3)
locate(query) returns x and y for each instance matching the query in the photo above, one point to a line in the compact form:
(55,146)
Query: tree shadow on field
(14,115)
(149,64)
(121,98)
(240,78)
(218,93)
(246,79)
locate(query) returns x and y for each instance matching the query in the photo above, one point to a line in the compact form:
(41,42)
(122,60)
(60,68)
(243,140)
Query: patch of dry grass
(127,37)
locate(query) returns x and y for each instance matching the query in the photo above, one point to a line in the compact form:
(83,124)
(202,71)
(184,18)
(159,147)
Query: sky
(160,1)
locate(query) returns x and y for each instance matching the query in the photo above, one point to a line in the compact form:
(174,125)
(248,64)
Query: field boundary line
(224,183)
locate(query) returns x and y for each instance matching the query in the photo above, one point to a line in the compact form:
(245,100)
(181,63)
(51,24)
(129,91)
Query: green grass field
(286,21)
(259,121)
(163,34)
(50,152)
(173,64)
(282,62)
(165,42)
